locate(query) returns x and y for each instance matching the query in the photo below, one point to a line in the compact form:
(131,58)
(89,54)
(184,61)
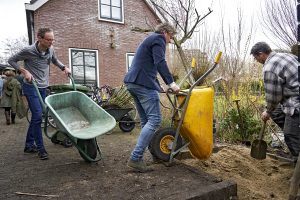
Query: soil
(66,176)
(256,179)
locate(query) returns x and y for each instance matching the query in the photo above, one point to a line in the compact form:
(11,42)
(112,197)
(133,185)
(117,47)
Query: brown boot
(13,117)
(7,116)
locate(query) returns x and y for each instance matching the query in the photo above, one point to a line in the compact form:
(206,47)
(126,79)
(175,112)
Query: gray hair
(165,28)
(42,31)
(261,47)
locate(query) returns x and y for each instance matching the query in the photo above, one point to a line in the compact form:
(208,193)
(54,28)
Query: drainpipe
(30,26)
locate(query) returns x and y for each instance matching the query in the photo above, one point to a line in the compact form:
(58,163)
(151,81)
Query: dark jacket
(148,61)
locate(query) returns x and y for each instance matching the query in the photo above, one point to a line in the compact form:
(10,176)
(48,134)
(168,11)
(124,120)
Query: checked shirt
(281,84)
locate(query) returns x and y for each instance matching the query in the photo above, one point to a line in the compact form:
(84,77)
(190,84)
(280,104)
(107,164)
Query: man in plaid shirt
(280,74)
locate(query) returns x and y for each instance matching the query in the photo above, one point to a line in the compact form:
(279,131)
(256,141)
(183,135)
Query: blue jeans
(148,107)
(34,133)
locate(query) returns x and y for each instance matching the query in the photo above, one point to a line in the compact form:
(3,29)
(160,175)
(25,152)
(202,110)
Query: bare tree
(278,17)
(235,41)
(12,46)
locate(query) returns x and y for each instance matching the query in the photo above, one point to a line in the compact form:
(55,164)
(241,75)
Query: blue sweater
(148,61)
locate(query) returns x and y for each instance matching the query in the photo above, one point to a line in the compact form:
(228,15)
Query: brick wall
(76,25)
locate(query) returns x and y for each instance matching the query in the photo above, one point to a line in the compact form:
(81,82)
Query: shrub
(235,128)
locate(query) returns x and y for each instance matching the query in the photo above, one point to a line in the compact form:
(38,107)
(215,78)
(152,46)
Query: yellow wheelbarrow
(192,122)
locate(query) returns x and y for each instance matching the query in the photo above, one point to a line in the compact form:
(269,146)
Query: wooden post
(295,181)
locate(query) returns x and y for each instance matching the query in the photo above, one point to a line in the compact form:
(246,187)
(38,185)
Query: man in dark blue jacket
(141,82)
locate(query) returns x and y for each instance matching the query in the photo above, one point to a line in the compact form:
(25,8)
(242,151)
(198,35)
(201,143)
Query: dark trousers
(290,127)
(34,132)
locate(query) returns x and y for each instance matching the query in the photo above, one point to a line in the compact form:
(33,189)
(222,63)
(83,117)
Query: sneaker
(30,149)
(43,155)
(139,166)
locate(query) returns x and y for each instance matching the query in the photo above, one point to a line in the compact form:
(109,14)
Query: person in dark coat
(142,83)
(10,85)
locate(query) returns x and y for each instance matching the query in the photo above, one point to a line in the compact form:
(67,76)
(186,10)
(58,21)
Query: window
(84,66)
(111,10)
(129,58)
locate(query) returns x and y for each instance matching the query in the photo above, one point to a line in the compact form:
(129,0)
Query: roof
(33,5)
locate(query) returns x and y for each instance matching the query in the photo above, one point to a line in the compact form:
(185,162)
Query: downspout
(30,26)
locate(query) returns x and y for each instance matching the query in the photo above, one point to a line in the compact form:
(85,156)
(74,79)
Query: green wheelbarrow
(79,119)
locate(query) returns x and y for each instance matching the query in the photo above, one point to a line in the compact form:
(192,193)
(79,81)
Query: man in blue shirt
(141,81)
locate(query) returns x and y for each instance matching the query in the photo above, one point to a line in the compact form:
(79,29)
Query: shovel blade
(259,149)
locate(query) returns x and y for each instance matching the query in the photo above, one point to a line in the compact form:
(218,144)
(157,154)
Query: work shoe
(43,155)
(30,149)
(139,166)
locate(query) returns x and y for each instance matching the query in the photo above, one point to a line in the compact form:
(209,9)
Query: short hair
(261,47)
(165,27)
(42,31)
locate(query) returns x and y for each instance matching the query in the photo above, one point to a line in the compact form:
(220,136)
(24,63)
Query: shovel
(259,147)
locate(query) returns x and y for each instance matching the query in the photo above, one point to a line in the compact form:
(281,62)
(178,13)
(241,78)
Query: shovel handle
(261,134)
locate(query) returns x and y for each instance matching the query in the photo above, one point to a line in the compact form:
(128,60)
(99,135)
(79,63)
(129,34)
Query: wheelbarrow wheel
(126,124)
(161,143)
(89,147)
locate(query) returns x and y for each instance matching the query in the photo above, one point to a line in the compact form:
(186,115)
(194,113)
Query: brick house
(92,37)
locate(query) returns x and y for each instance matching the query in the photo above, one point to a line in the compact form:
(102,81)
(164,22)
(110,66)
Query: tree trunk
(184,61)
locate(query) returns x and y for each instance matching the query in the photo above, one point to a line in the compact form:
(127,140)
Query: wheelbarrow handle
(34,83)
(72,81)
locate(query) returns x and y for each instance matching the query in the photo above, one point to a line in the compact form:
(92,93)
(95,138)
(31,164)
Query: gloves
(174,87)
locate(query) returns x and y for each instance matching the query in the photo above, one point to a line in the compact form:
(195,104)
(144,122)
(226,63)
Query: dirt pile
(265,179)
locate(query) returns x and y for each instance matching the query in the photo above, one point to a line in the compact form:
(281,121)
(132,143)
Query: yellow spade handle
(193,65)
(218,57)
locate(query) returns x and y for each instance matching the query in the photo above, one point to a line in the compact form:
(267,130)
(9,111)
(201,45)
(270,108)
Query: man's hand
(67,71)
(175,88)
(27,75)
(265,116)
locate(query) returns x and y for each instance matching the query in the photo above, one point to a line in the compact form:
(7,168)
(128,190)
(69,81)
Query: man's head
(167,29)
(45,37)
(9,72)
(261,51)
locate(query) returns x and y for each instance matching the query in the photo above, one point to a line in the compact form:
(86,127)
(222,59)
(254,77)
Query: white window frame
(127,60)
(111,20)
(97,62)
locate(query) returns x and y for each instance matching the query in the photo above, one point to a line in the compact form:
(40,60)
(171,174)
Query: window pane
(116,13)
(77,58)
(105,11)
(78,73)
(116,3)
(90,73)
(105,2)
(84,66)
(130,58)
(89,59)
